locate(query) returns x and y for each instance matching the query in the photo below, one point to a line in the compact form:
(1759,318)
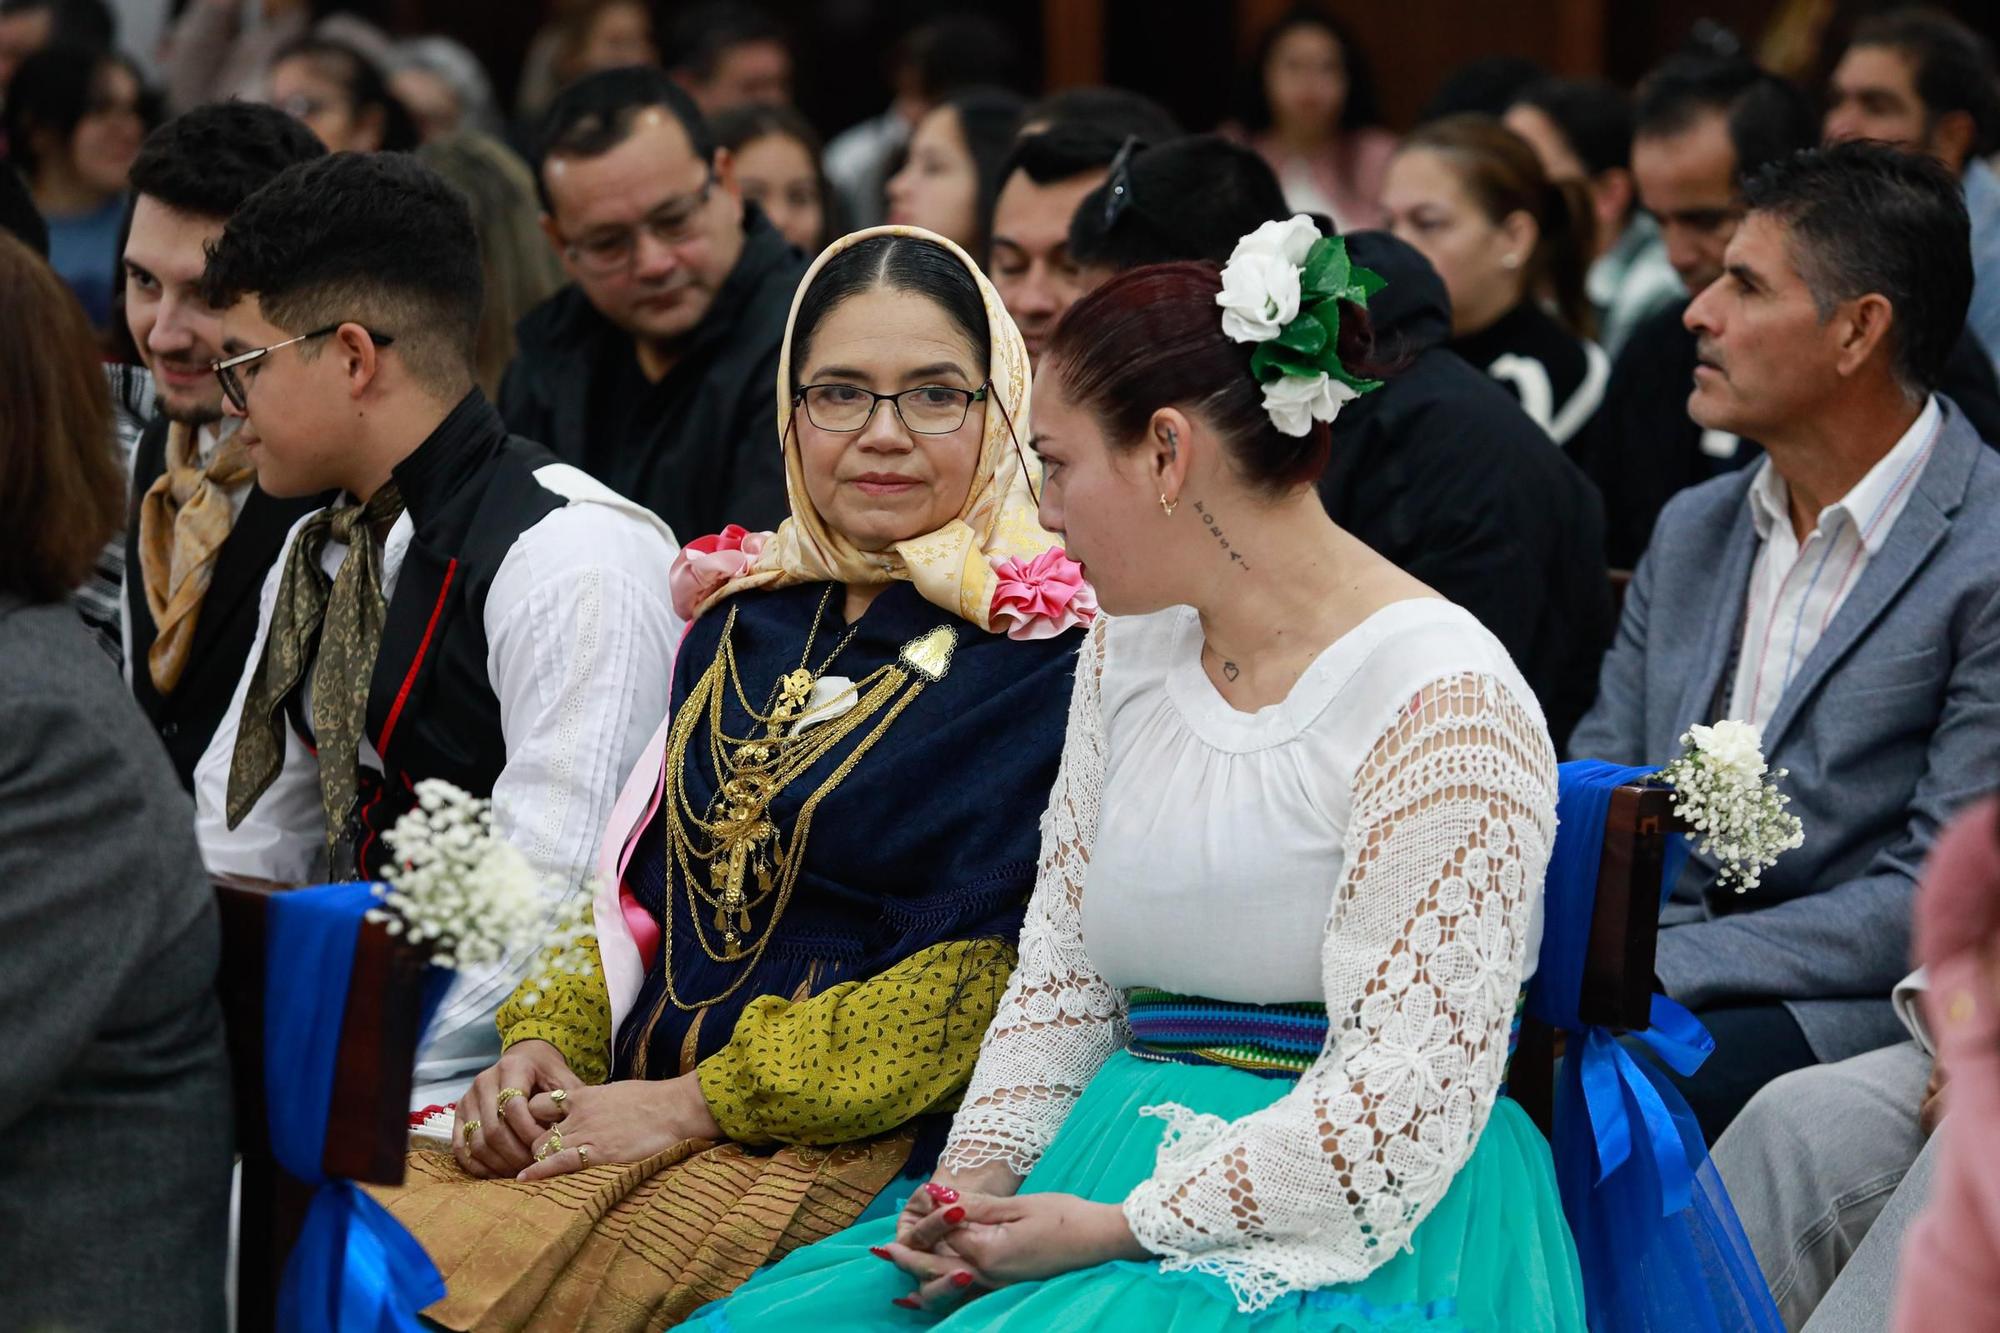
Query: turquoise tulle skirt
(1494,1254)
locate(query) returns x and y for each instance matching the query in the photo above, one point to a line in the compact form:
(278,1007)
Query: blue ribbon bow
(355,1268)
(1656,1236)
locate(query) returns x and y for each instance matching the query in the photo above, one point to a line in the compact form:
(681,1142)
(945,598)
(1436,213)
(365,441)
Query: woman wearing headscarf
(813,881)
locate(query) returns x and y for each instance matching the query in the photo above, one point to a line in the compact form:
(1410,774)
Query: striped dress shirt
(1796,588)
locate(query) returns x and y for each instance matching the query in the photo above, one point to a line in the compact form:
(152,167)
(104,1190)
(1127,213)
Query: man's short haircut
(700,36)
(1865,217)
(1593,116)
(1193,198)
(207,161)
(1768,117)
(595,114)
(1954,66)
(378,239)
(1115,112)
(1062,152)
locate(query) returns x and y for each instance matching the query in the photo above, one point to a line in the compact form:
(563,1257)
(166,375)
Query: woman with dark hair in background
(342,96)
(952,175)
(1246,1075)
(1311,113)
(1513,248)
(778,169)
(114,1192)
(73,121)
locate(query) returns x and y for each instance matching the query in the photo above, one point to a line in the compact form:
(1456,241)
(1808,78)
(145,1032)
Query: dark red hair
(1152,338)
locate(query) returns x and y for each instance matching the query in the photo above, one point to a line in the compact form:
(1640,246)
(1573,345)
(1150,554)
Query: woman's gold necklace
(732,858)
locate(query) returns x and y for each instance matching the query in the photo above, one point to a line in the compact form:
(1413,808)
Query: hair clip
(1119,197)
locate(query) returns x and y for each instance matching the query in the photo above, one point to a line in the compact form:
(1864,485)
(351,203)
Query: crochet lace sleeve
(1453,818)
(1058,1021)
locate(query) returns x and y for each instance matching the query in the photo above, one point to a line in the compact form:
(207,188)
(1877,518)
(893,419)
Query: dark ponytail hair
(1504,176)
(903,264)
(1152,338)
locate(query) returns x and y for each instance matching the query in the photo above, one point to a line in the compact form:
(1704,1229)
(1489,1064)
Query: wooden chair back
(367,1132)
(1624,933)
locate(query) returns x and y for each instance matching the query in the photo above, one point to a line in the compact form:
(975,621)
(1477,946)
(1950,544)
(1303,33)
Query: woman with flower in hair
(1247,1071)
(814,879)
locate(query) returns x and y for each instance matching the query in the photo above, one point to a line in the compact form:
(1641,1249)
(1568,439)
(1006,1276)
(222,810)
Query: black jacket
(226,623)
(700,447)
(1645,449)
(1443,473)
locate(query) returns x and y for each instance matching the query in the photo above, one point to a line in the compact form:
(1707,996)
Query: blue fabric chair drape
(354,1269)
(1657,1238)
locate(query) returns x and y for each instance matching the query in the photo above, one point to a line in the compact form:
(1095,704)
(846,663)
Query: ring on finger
(559,1096)
(471,1128)
(551,1146)
(583,1154)
(507,1095)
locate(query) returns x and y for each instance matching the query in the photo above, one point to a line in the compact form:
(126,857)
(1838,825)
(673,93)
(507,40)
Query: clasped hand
(955,1244)
(626,1121)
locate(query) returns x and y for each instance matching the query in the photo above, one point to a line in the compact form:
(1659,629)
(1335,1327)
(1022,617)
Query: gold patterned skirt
(629,1247)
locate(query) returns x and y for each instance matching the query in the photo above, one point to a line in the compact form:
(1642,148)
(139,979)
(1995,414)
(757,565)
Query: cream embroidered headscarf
(952,566)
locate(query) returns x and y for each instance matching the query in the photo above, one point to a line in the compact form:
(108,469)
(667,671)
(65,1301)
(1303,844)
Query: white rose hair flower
(1281,290)
(1721,787)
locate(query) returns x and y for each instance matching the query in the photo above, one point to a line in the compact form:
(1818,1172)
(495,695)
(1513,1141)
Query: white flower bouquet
(471,897)
(1725,790)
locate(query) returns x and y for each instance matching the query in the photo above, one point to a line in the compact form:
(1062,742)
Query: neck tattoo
(1231,670)
(1215,531)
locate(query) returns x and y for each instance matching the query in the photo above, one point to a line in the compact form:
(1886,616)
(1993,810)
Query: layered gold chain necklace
(731,858)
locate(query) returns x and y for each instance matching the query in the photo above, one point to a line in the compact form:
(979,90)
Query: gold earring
(1168,505)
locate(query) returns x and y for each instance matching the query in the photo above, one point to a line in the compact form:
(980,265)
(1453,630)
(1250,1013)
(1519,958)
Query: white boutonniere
(1723,787)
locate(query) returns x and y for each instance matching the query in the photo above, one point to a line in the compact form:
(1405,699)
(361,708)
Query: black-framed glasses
(674,223)
(226,370)
(1118,191)
(931,409)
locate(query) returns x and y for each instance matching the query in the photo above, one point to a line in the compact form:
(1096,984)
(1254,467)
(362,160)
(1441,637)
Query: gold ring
(507,1095)
(552,1147)
(559,1096)
(471,1128)
(583,1154)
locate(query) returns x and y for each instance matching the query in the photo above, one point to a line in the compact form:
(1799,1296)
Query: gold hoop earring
(1167,505)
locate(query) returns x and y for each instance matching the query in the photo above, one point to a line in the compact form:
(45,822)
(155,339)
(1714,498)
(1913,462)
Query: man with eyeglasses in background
(653,370)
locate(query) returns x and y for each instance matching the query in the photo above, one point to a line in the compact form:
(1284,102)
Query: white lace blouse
(1377,839)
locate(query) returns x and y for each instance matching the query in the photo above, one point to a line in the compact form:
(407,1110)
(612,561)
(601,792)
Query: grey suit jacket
(114,1084)
(1892,723)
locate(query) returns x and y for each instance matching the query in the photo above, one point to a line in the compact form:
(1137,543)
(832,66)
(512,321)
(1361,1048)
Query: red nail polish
(955,1216)
(961,1279)
(907,1302)
(878,1252)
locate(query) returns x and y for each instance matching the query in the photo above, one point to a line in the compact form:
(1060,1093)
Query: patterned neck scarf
(951,567)
(184,519)
(335,626)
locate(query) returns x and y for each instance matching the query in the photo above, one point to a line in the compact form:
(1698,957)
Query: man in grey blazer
(1844,595)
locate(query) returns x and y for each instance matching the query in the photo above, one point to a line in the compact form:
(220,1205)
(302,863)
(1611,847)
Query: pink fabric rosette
(706,563)
(1042,597)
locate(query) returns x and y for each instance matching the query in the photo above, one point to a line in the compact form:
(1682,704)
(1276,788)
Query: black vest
(471,492)
(227,622)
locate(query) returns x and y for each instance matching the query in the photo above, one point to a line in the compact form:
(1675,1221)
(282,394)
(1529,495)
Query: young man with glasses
(653,370)
(201,532)
(468,608)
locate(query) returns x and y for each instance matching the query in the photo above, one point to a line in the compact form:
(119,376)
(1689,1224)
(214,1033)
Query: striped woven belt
(1275,1040)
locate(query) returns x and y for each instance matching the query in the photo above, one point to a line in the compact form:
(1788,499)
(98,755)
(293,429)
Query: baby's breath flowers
(568,950)
(455,887)
(1720,787)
